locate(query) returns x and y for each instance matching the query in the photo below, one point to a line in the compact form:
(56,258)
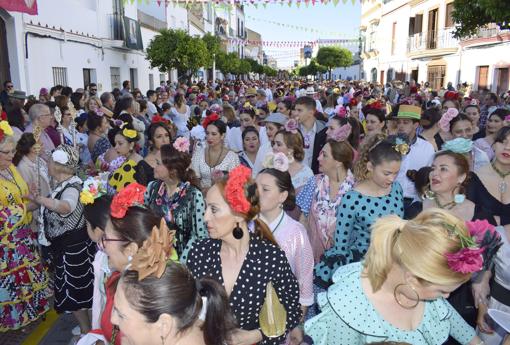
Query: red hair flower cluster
(234,189)
(131,195)
(160,119)
(210,119)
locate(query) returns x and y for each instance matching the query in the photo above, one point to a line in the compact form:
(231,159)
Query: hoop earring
(400,303)
(237,232)
(429,194)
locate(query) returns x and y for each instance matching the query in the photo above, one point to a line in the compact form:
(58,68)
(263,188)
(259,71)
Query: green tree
(176,49)
(470,15)
(331,57)
(270,72)
(228,63)
(244,67)
(213,44)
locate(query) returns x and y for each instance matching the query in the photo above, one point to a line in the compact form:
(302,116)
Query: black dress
(477,193)
(264,262)
(144,173)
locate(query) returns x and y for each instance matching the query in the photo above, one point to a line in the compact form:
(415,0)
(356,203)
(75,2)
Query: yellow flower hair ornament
(5,129)
(129,133)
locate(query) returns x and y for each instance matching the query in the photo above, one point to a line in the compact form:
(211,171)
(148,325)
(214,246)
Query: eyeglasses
(106,239)
(10,86)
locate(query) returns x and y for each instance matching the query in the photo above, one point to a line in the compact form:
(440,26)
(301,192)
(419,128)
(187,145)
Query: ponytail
(219,321)
(379,258)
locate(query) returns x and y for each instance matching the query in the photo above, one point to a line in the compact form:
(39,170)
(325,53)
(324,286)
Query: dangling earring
(237,232)
(459,197)
(130,258)
(430,195)
(395,294)
(290,157)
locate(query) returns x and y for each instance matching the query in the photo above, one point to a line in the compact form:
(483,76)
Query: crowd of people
(258,212)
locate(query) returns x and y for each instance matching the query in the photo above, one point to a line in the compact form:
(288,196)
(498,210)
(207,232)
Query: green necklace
(447,206)
(502,185)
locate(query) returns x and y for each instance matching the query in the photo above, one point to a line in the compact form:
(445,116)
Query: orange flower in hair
(152,258)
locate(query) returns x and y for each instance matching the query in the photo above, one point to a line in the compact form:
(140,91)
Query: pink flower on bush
(478,228)
(466,260)
(181,144)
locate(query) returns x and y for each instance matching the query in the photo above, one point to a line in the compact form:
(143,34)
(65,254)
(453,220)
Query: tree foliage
(471,15)
(331,57)
(176,49)
(213,44)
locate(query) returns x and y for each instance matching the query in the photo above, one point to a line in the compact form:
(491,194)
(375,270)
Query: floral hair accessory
(181,144)
(132,195)
(271,106)
(478,248)
(291,126)
(458,145)
(444,122)
(474,101)
(401,146)
(210,119)
(353,102)
(341,133)
(160,119)
(234,189)
(341,111)
(93,188)
(216,108)
(276,161)
(119,123)
(198,133)
(152,257)
(451,95)
(5,129)
(507,118)
(129,133)
(374,104)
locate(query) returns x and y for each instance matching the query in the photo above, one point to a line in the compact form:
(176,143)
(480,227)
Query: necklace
(217,160)
(502,185)
(9,177)
(279,222)
(447,206)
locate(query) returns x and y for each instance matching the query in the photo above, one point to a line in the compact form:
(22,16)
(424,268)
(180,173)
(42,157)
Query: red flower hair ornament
(160,119)
(234,189)
(210,119)
(132,195)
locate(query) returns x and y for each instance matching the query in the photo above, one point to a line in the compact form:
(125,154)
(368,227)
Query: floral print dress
(314,201)
(23,280)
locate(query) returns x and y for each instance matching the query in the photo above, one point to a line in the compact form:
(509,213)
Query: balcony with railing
(489,35)
(432,43)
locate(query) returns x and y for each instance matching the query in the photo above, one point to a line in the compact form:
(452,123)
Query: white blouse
(204,171)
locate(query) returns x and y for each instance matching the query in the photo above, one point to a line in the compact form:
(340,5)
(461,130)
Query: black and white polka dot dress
(264,262)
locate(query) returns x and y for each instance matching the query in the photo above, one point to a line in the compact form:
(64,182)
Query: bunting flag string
(294,44)
(297,27)
(254,3)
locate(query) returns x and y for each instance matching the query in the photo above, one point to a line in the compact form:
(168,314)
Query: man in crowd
(40,118)
(126,88)
(4,95)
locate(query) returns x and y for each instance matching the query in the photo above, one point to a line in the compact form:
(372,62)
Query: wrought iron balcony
(431,40)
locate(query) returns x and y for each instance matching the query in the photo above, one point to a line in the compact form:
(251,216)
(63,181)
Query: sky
(334,22)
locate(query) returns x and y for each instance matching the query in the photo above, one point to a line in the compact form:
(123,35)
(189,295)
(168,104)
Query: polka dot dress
(355,216)
(123,176)
(264,262)
(348,318)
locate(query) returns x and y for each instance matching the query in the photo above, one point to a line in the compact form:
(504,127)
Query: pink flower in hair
(341,111)
(466,260)
(474,101)
(341,133)
(292,126)
(478,228)
(181,144)
(444,123)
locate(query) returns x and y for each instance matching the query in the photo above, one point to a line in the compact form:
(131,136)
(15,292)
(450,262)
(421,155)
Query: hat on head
(310,91)
(43,91)
(251,92)
(406,111)
(18,94)
(66,155)
(278,118)
(261,92)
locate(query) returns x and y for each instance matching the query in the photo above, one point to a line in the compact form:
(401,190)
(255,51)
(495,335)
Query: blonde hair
(93,98)
(418,246)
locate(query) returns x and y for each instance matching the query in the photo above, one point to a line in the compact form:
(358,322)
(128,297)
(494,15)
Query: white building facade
(76,42)
(413,40)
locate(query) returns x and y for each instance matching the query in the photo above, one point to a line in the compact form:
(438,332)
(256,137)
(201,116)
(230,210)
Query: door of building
(432,30)
(414,75)
(381,75)
(483,76)
(503,80)
(435,76)
(5,71)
